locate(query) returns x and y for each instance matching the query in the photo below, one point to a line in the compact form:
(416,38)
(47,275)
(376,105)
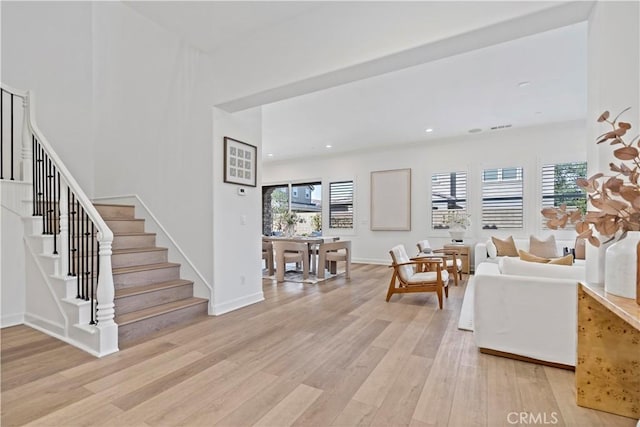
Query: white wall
(12,266)
(152,115)
(530,148)
(237,222)
(46,47)
(613,84)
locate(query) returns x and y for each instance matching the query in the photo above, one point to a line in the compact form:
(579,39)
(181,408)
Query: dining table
(311,241)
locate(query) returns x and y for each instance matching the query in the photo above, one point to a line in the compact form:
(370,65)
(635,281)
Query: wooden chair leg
(439,292)
(455,276)
(391,286)
(446,291)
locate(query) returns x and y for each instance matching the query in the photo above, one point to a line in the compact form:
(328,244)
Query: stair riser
(147,277)
(133,242)
(138,258)
(131,226)
(151,299)
(135,330)
(107,211)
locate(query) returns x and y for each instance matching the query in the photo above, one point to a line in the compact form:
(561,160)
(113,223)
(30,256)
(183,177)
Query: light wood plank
(334,353)
(290,408)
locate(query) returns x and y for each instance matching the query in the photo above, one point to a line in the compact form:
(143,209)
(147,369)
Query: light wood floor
(331,354)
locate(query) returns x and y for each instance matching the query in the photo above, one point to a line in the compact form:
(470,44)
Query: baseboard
(370,261)
(11,320)
(526,359)
(44,325)
(237,303)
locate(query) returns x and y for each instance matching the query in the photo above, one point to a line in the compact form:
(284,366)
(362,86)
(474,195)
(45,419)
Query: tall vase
(620,272)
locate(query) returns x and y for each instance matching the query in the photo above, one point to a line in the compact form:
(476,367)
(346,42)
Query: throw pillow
(526,256)
(543,248)
(580,247)
(506,247)
(565,260)
(492,252)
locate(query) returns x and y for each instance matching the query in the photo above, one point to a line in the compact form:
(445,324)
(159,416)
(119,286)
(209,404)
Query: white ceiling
(479,89)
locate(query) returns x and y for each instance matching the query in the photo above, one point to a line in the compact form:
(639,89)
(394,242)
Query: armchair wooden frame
(422,264)
(452,263)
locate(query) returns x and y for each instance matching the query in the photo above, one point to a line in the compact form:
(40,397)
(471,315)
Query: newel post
(26,165)
(105,294)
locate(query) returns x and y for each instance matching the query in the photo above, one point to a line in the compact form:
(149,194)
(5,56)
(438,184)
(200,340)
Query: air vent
(500,127)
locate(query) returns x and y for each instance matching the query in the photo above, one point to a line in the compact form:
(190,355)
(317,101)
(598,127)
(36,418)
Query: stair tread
(158,310)
(133,233)
(135,268)
(136,250)
(135,290)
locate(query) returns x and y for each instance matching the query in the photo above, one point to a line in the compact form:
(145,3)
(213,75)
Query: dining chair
(334,252)
(287,252)
(428,277)
(267,255)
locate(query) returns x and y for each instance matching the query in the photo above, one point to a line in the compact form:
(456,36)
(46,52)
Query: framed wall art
(240,163)
(391,200)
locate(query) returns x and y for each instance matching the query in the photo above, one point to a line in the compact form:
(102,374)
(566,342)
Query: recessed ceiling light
(429,130)
(270,155)
(328,146)
(524,84)
(538,112)
(475,130)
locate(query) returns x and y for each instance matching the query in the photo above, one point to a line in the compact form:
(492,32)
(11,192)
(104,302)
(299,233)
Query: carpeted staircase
(149,294)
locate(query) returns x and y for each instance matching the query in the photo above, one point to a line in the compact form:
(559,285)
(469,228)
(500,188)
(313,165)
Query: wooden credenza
(465,254)
(608,363)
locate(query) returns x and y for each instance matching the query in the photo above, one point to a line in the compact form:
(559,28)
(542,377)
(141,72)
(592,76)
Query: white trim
(16,92)
(11,320)
(237,303)
(371,261)
(137,202)
(48,327)
(31,321)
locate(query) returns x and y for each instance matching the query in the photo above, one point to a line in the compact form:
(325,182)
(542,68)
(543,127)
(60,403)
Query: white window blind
(341,204)
(448,193)
(559,187)
(502,204)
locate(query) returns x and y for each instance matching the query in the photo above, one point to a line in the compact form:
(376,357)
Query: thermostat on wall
(241,192)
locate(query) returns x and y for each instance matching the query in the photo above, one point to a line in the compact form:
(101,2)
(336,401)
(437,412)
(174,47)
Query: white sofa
(481,255)
(527,309)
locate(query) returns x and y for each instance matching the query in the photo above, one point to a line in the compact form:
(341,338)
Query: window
(559,187)
(275,202)
(502,204)
(278,208)
(448,192)
(308,209)
(341,204)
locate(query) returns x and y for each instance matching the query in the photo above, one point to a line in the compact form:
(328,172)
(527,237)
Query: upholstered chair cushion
(429,276)
(400,255)
(424,247)
(543,248)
